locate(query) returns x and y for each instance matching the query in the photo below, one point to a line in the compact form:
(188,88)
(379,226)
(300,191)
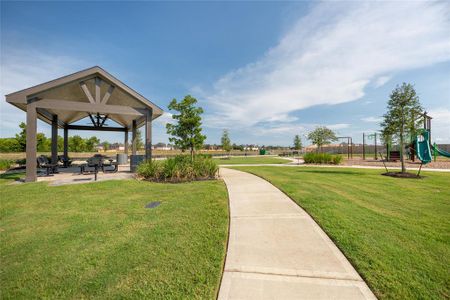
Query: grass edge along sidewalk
(394,231)
(98,240)
(235,160)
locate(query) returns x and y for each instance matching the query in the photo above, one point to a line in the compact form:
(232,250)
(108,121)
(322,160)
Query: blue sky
(264,70)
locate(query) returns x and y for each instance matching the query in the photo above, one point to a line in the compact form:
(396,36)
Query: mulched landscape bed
(440,164)
(402,175)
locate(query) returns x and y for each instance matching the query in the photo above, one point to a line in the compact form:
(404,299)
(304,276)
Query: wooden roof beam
(87,92)
(90,107)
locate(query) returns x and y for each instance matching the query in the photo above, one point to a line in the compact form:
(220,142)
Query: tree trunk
(402,148)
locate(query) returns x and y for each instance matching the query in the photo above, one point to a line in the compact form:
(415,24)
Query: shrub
(179,168)
(5,164)
(322,158)
(21,161)
(336,160)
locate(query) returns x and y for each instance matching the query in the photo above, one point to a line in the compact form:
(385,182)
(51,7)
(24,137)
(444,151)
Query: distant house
(329,147)
(211,147)
(117,147)
(251,148)
(162,146)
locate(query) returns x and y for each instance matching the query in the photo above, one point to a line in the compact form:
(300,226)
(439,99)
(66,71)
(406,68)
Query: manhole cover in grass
(153,204)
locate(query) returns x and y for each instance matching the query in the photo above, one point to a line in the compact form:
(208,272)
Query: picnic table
(97,162)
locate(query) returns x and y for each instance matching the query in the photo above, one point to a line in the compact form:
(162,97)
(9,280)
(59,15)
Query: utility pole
(364,146)
(376,155)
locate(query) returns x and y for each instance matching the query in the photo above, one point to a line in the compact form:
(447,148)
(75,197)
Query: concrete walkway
(302,165)
(276,250)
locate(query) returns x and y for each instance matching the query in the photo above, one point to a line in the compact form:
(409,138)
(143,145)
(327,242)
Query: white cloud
(382,80)
(372,119)
(330,56)
(338,126)
(440,124)
(165,118)
(290,129)
(21,69)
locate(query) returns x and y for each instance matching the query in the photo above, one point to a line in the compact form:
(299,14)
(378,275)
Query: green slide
(423,147)
(440,151)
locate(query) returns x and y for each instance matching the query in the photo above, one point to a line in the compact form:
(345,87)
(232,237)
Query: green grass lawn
(396,232)
(97,240)
(251,160)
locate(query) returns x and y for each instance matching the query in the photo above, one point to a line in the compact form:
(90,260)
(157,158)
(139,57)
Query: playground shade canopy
(92,93)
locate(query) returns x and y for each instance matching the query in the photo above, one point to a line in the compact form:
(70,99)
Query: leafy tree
(76,144)
(60,143)
(400,120)
(297,142)
(43,144)
(9,145)
(226,142)
(22,137)
(91,143)
(105,145)
(321,136)
(237,147)
(139,141)
(187,133)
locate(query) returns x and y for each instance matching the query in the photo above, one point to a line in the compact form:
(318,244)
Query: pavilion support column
(148,134)
(133,138)
(66,142)
(126,141)
(31,145)
(55,139)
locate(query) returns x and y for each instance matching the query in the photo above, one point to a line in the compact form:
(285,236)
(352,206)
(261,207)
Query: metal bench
(50,168)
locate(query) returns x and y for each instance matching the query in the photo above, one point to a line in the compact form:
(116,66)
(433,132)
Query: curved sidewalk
(277,251)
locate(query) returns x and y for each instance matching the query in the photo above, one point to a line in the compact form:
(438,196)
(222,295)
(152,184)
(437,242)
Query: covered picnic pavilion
(93,94)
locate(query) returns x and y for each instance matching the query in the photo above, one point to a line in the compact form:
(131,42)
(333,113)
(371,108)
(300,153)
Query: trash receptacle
(262,151)
(122,158)
(135,160)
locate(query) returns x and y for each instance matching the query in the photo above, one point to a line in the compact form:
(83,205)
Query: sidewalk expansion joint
(273,216)
(294,275)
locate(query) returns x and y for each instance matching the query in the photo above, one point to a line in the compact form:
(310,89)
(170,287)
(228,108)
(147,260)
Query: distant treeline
(18,143)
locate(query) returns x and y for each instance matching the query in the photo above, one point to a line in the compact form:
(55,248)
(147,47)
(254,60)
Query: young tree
(226,142)
(400,119)
(139,141)
(76,144)
(22,137)
(297,142)
(91,143)
(9,145)
(187,133)
(106,145)
(60,143)
(43,144)
(321,136)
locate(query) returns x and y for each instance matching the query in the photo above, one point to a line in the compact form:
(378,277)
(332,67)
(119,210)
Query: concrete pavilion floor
(72,175)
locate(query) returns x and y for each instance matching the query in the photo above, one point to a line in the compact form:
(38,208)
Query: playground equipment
(349,145)
(426,135)
(422,147)
(422,144)
(370,136)
(437,151)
